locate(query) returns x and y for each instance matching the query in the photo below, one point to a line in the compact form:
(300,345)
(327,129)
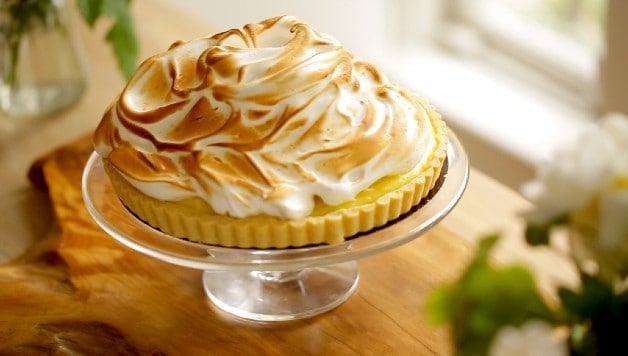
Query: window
(516,78)
(559,41)
(578,20)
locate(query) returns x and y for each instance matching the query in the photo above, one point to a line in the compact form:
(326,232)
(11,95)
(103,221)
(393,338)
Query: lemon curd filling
(370,195)
(376,190)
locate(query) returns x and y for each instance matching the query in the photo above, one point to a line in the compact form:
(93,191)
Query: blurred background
(514,78)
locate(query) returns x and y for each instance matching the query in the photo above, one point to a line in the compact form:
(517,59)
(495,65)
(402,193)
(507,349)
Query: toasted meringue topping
(267,119)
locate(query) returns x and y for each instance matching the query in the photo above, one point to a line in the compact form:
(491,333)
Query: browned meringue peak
(262,120)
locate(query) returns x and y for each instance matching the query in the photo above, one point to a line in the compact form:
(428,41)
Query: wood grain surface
(78,289)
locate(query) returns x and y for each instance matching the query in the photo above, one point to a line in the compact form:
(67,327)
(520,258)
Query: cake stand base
(282,295)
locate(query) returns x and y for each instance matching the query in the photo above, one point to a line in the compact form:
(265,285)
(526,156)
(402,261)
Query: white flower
(594,171)
(588,183)
(613,204)
(534,337)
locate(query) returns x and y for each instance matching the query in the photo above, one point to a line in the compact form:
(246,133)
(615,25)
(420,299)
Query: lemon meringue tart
(269,136)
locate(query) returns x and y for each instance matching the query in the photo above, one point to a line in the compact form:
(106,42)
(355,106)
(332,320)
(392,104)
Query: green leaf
(539,233)
(116,9)
(599,314)
(90,10)
(125,47)
(438,304)
(121,35)
(593,294)
(485,245)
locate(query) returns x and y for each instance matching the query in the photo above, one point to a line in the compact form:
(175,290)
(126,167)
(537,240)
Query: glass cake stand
(275,284)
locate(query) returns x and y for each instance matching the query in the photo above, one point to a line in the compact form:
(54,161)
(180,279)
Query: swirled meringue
(271,119)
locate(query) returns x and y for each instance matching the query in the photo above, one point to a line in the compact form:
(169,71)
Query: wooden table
(77,288)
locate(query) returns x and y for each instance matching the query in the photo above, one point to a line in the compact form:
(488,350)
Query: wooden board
(78,289)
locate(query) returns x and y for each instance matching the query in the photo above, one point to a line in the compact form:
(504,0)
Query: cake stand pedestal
(275,284)
(282,295)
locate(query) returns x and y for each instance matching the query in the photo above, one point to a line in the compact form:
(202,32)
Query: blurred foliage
(20,16)
(484,300)
(121,34)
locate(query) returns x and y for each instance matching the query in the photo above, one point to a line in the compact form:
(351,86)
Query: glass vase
(42,66)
